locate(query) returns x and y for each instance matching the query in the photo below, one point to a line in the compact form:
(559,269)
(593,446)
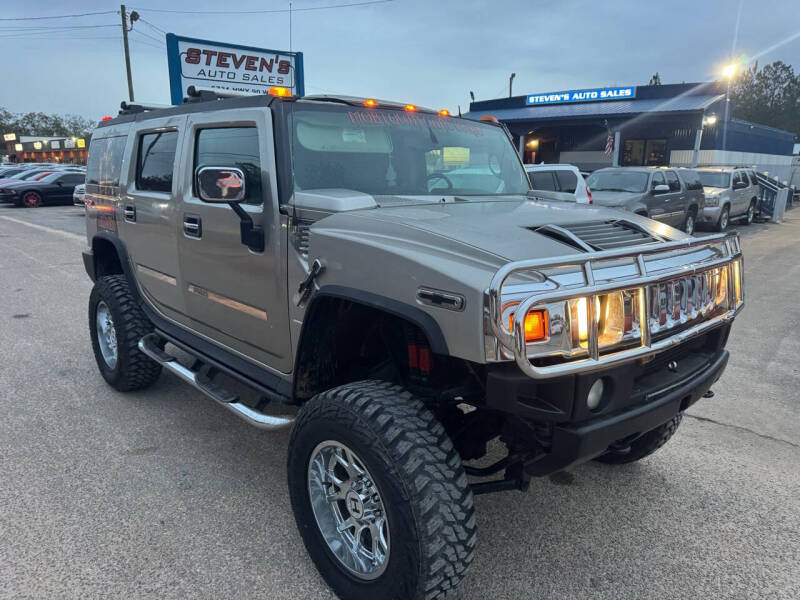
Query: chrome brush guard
(708,267)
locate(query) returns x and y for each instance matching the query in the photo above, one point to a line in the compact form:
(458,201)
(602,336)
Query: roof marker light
(490,118)
(444,113)
(411,108)
(370,103)
(106,118)
(281,92)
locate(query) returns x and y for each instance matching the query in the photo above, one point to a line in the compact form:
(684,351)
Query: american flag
(609,144)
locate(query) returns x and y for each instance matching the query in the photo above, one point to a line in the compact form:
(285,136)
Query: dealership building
(683,124)
(53,149)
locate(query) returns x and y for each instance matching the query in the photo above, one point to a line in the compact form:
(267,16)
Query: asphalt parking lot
(163,494)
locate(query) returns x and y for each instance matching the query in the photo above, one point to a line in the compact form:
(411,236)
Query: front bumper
(639,397)
(711,214)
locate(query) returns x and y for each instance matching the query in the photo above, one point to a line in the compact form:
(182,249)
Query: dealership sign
(594,95)
(230,68)
(9,137)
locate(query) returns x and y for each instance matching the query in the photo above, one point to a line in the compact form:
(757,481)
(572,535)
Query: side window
(672,181)
(155,161)
(72,178)
(105,160)
(567,181)
(753,179)
(658,179)
(737,177)
(692,180)
(543,180)
(232,147)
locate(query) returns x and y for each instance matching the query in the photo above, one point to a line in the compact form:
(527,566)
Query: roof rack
(128,108)
(198,94)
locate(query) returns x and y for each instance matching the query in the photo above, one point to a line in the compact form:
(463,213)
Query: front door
(235,296)
(657,201)
(675,200)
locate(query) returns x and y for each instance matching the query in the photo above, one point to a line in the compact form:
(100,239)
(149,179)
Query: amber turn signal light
(535,325)
(279,91)
(370,103)
(411,107)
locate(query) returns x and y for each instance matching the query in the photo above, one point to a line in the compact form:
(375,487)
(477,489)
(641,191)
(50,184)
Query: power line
(154,26)
(155,39)
(103,12)
(56,28)
(258,12)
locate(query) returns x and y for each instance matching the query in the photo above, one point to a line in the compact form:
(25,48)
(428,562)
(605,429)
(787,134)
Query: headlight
(564,328)
(714,200)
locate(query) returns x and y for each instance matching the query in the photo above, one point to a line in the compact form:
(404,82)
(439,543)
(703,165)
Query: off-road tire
(134,370)
(645,445)
(419,475)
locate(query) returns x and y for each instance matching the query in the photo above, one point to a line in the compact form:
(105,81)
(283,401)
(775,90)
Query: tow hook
(305,287)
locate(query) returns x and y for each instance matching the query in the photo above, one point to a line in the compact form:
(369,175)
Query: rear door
(739,193)
(149,221)
(675,200)
(234,295)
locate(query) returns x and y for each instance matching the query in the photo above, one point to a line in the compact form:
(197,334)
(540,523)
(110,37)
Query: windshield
(714,179)
(391,153)
(618,181)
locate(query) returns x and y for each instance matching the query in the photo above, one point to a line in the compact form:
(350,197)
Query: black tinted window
(543,180)
(692,180)
(155,161)
(232,147)
(567,181)
(658,179)
(72,178)
(672,181)
(105,160)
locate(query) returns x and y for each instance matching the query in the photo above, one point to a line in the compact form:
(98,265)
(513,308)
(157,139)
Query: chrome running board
(149,345)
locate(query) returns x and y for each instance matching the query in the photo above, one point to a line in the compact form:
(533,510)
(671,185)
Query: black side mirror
(226,185)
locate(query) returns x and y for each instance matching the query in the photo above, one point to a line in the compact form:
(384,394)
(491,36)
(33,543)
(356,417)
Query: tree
(655,79)
(769,96)
(37,123)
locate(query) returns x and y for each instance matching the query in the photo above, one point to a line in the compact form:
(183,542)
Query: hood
(494,229)
(713,191)
(610,198)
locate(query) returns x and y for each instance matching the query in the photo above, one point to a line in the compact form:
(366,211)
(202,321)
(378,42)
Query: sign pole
(127,50)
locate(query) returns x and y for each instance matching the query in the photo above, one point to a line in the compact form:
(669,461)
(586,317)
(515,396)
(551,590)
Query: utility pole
(510,83)
(127,50)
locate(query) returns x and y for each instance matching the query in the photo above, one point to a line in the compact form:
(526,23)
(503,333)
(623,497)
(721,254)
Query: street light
(710,119)
(728,71)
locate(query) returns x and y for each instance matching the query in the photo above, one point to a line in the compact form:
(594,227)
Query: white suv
(564,181)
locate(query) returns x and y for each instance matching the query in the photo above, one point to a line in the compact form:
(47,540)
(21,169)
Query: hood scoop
(599,235)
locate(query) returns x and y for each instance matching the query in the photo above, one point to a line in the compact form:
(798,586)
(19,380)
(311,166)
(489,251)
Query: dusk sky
(428,53)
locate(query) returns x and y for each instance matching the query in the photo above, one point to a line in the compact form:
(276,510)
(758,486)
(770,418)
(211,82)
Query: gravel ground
(164,494)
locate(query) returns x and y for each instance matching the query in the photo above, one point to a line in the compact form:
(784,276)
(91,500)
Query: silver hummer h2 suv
(386,270)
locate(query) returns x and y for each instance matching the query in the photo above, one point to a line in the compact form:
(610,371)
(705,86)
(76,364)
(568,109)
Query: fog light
(595,395)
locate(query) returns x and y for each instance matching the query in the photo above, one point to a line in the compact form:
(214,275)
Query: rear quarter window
(105,161)
(567,181)
(543,180)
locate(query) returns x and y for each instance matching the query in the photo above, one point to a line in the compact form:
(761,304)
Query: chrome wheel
(106,334)
(723,220)
(751,212)
(348,509)
(689,228)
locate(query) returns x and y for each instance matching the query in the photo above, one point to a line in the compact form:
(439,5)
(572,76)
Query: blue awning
(613,108)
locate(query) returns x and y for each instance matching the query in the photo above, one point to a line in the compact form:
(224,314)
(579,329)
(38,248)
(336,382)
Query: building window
(155,161)
(639,153)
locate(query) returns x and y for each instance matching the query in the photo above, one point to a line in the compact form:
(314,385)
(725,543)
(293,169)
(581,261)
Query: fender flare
(413,314)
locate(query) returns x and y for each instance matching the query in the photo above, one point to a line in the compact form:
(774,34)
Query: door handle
(192,226)
(130,213)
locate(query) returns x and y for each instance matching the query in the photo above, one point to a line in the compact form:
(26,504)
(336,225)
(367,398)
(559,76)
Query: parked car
(55,188)
(654,192)
(731,193)
(565,181)
(23,176)
(408,326)
(78,194)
